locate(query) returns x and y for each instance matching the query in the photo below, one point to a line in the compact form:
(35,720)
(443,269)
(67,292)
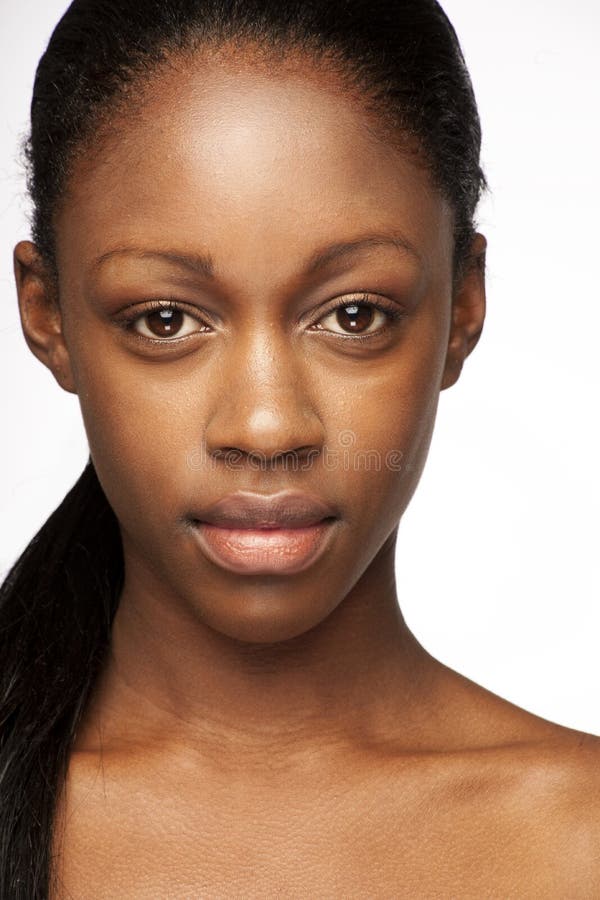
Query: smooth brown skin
(281,736)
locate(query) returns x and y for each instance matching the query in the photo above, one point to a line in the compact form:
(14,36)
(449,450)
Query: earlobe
(468,313)
(40,314)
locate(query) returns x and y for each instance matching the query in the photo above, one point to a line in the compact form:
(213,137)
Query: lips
(280,533)
(287,509)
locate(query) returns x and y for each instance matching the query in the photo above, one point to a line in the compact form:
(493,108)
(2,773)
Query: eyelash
(393,313)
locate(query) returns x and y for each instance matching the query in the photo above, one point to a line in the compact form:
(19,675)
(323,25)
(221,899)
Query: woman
(254,260)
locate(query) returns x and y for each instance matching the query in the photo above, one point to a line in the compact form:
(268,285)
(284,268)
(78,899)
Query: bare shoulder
(534,813)
(545,795)
(569,771)
(564,770)
(558,796)
(525,792)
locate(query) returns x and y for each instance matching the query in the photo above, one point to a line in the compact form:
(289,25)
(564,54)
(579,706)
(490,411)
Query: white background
(498,555)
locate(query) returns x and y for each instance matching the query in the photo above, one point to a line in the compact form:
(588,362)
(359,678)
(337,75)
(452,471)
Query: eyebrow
(203,263)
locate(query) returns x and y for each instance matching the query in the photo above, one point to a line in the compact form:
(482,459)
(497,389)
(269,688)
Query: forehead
(255,164)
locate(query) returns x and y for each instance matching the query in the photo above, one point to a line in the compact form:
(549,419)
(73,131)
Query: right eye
(163,321)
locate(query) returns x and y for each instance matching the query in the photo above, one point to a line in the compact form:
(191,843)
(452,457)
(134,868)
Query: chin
(264,620)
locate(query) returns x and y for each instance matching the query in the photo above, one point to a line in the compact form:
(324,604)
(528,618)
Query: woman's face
(226,191)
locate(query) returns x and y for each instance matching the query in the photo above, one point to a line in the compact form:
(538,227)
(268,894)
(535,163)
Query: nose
(265,407)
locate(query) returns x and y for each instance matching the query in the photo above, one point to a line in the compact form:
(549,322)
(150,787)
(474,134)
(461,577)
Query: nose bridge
(265,406)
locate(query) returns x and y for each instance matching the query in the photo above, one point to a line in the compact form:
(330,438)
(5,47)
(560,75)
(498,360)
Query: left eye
(356,318)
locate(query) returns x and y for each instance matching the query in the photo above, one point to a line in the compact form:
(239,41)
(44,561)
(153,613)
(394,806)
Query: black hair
(58,601)
(57,604)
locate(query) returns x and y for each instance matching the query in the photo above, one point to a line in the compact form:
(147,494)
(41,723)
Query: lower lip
(264,550)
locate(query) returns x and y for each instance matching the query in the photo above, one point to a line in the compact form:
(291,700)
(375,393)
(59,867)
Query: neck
(360,675)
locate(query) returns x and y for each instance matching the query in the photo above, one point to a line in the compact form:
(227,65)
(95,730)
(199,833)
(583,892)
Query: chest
(173,840)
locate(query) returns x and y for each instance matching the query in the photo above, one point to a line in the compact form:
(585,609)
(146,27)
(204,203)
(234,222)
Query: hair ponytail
(57,604)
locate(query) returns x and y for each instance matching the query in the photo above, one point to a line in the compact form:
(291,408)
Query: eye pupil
(166,320)
(359,316)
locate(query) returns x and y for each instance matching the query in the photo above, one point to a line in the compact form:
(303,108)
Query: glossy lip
(286,509)
(251,533)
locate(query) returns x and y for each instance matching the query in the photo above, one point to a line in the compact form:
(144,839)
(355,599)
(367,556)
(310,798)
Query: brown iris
(165,322)
(355,316)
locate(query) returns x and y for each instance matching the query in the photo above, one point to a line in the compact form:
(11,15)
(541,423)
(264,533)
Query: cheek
(382,461)
(384,427)
(142,423)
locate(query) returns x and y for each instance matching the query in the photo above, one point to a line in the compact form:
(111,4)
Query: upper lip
(288,509)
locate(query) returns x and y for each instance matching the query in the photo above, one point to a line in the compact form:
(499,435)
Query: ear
(41,318)
(468,312)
